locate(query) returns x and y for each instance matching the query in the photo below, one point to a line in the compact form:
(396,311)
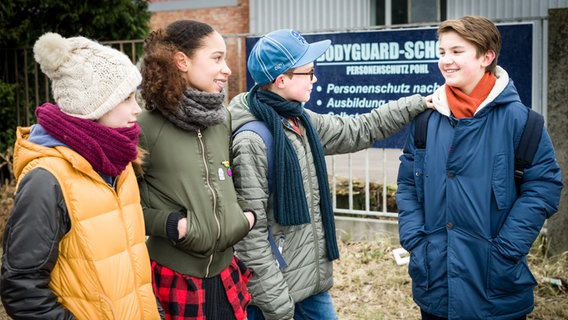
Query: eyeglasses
(311,74)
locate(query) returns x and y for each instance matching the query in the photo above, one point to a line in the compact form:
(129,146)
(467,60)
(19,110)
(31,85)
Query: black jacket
(29,254)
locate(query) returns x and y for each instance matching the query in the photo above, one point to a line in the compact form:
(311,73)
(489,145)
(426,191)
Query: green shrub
(8,115)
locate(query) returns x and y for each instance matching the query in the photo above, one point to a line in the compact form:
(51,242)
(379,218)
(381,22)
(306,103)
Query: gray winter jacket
(309,270)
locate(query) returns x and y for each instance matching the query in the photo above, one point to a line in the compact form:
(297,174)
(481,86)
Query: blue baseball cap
(279,51)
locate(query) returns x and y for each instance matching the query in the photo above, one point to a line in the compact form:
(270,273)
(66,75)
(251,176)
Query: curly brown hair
(162,83)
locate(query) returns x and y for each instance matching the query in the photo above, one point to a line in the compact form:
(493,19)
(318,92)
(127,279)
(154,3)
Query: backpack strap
(262,130)
(421,128)
(276,250)
(530,139)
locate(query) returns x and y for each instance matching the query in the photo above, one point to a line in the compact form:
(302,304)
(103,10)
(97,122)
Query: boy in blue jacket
(467,227)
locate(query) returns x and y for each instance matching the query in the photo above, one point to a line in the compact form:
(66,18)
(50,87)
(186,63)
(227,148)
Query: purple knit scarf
(108,150)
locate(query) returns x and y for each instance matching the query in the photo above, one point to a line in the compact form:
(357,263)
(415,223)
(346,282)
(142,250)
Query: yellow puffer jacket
(103,269)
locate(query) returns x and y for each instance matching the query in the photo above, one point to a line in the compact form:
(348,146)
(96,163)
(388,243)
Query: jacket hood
(39,136)
(33,142)
(240,112)
(503,92)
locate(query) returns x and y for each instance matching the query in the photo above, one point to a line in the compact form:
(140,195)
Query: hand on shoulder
(429,103)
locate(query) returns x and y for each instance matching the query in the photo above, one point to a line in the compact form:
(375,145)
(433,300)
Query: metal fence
(31,86)
(362,183)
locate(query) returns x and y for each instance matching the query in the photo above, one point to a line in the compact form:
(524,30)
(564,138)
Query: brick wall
(230,22)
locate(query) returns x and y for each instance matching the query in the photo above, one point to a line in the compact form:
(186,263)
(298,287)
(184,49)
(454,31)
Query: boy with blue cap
(295,221)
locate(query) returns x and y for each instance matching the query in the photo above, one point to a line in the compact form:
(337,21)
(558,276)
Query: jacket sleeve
(411,209)
(538,200)
(267,287)
(156,221)
(341,134)
(38,222)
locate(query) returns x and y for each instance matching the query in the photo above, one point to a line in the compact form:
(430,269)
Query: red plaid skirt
(183,297)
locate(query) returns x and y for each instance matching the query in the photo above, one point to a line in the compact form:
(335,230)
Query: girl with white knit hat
(74,245)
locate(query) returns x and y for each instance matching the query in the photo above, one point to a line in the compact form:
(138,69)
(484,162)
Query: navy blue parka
(467,228)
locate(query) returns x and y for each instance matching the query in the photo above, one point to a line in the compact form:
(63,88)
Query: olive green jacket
(189,171)
(309,270)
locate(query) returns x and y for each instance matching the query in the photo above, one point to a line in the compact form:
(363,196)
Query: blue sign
(364,70)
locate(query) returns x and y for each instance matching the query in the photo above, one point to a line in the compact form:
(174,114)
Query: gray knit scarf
(198,110)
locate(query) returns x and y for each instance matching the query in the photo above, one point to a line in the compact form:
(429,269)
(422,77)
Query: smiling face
(460,63)
(123,115)
(207,69)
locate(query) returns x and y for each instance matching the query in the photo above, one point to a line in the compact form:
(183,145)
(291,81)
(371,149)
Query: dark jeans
(427,316)
(318,307)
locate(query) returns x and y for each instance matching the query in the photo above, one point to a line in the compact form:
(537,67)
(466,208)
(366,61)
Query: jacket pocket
(501,179)
(418,266)
(505,276)
(199,240)
(419,156)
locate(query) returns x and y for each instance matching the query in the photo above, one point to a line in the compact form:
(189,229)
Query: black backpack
(524,154)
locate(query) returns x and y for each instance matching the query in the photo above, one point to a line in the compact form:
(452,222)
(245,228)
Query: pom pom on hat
(87,79)
(50,51)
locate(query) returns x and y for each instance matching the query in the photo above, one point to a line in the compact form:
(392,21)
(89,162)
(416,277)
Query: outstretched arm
(343,134)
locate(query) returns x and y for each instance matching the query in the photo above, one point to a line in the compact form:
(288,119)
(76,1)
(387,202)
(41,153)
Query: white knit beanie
(87,78)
